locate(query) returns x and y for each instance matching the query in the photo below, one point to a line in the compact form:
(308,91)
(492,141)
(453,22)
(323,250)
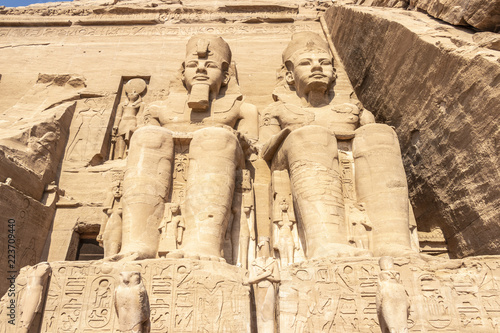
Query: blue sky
(17,3)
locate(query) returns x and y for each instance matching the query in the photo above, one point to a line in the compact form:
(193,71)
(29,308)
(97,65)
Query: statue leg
(146,185)
(381,184)
(214,155)
(120,147)
(312,157)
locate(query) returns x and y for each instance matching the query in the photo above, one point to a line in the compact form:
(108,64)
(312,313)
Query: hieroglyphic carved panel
(340,296)
(177,30)
(184,296)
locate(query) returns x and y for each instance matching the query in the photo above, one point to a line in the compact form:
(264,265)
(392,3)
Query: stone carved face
(310,70)
(207,63)
(174,208)
(133,96)
(207,71)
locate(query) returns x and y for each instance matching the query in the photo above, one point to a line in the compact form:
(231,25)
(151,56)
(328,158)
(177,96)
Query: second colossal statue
(305,127)
(216,122)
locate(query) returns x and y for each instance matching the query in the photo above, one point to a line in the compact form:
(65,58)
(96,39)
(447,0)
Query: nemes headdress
(305,41)
(203,46)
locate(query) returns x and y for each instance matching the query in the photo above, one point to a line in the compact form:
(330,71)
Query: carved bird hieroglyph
(392,299)
(132,304)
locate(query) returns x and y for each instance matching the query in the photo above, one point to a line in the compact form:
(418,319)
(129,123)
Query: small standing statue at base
(132,304)
(32,299)
(264,273)
(171,228)
(392,300)
(110,234)
(286,235)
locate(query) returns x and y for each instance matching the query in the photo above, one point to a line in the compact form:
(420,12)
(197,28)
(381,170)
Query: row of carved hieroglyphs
(340,297)
(184,296)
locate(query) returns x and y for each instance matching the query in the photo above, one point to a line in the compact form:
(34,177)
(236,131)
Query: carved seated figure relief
(206,126)
(306,126)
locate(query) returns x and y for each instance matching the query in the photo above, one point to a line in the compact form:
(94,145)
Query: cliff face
(480,14)
(441,92)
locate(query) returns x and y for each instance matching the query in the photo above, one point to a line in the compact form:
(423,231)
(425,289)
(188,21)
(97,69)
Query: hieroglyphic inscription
(340,296)
(177,30)
(184,296)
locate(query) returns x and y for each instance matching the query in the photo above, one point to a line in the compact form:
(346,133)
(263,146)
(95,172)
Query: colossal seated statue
(305,128)
(215,121)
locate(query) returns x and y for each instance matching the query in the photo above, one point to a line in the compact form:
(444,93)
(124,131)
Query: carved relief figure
(126,117)
(132,304)
(286,237)
(213,116)
(359,225)
(32,299)
(242,222)
(393,306)
(171,229)
(110,234)
(264,274)
(308,122)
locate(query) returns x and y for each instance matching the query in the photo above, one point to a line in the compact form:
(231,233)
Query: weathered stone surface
(480,14)
(340,295)
(35,131)
(489,40)
(161,155)
(184,296)
(441,93)
(24,237)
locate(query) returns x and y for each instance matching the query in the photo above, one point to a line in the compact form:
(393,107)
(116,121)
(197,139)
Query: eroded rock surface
(480,14)
(441,92)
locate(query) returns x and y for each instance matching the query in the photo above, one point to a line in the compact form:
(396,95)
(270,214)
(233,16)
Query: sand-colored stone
(480,14)
(311,124)
(441,95)
(225,142)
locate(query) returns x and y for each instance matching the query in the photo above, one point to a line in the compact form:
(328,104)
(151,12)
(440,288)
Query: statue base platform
(324,295)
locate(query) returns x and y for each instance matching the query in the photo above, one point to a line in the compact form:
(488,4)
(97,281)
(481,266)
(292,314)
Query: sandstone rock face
(165,158)
(480,14)
(441,92)
(27,225)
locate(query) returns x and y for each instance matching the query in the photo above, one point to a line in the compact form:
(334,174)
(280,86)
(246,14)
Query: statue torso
(339,118)
(175,115)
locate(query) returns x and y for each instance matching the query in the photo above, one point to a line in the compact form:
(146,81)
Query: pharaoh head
(205,69)
(309,64)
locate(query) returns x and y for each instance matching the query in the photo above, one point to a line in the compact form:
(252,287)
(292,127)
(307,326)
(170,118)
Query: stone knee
(153,137)
(216,142)
(315,143)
